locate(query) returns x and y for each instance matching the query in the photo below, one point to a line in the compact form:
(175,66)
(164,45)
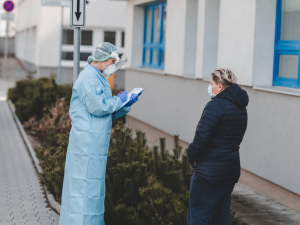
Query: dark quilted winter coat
(214,152)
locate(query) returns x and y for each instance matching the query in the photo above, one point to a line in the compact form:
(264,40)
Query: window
(286,61)
(123,40)
(87,37)
(68,38)
(70,56)
(154,36)
(110,36)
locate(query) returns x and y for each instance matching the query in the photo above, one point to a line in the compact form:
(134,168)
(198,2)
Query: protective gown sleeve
(121,112)
(206,127)
(93,97)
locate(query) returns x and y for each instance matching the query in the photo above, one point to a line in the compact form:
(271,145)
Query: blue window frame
(154,36)
(286,57)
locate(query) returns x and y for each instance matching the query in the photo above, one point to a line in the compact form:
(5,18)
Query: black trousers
(207,199)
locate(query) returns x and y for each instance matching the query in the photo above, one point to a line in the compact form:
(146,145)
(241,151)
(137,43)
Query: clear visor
(121,61)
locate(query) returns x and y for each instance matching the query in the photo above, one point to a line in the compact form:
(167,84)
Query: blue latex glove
(123,96)
(134,98)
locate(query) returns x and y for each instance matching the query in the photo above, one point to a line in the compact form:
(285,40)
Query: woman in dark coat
(214,152)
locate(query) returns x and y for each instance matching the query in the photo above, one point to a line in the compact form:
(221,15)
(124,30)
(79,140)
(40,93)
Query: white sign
(56,2)
(77,13)
(8,16)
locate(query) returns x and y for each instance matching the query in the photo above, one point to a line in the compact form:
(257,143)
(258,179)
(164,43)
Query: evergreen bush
(35,97)
(56,120)
(52,156)
(143,186)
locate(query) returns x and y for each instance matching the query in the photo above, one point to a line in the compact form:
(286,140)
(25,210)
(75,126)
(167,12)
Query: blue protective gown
(92,111)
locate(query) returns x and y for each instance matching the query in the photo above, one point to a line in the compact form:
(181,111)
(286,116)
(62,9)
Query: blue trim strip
(154,46)
(284,47)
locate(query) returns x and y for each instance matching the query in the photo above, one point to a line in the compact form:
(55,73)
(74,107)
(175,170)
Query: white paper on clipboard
(136,91)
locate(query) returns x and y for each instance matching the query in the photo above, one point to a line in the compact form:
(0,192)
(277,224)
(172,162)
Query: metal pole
(58,78)
(76,53)
(5,50)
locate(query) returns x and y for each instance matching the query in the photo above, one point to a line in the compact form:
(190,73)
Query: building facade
(174,45)
(38,35)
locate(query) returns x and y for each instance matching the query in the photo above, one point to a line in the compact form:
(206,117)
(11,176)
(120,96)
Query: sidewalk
(4,86)
(255,209)
(22,198)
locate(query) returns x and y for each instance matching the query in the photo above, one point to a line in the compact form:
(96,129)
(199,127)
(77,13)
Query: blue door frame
(284,48)
(154,46)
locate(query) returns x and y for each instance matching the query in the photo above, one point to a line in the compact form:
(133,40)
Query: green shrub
(35,97)
(143,186)
(52,156)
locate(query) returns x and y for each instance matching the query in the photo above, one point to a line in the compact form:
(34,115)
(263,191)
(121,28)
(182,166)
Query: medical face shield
(119,63)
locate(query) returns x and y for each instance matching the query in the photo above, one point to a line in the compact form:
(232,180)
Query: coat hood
(235,94)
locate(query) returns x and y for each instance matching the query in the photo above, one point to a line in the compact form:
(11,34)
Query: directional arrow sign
(78,13)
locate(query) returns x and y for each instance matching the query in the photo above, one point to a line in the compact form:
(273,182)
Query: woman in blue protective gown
(92,110)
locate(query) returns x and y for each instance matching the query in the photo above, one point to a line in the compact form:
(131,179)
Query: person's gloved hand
(133,99)
(123,96)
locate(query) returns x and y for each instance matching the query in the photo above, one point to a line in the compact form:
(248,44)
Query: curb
(53,204)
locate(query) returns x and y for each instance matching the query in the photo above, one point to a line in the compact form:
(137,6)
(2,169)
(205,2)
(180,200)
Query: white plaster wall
(264,43)
(175,37)
(236,38)
(200,38)
(134,33)
(208,36)
(48,36)
(190,38)
(28,14)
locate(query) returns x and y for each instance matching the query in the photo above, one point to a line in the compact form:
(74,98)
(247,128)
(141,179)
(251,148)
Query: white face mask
(109,70)
(210,91)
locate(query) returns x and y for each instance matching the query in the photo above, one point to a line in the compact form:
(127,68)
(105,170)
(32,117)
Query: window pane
(147,56)
(290,20)
(156,25)
(84,56)
(87,37)
(110,37)
(70,56)
(163,57)
(288,66)
(155,57)
(68,37)
(67,56)
(148,28)
(123,39)
(164,23)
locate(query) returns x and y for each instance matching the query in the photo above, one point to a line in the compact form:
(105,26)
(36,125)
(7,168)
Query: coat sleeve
(121,112)
(206,127)
(93,97)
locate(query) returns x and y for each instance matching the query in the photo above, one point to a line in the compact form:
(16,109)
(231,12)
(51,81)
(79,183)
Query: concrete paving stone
(5,220)
(7,223)
(19,217)
(46,221)
(22,197)
(5,213)
(31,217)
(32,220)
